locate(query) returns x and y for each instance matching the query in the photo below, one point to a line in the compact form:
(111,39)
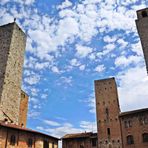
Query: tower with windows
(107,109)
(142,27)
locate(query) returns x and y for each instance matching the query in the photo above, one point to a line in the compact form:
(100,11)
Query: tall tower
(12,46)
(23,109)
(142,27)
(107,109)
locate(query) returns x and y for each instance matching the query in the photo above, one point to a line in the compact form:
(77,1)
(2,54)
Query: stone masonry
(142,27)
(12,46)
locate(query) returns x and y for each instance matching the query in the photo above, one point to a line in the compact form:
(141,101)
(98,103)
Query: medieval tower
(12,46)
(142,27)
(107,109)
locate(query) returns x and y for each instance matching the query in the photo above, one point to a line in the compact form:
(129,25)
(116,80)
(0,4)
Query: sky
(71,43)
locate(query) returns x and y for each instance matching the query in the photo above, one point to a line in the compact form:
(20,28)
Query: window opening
(12,140)
(130,139)
(144,14)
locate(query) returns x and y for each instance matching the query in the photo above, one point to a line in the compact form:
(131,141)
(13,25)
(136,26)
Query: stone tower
(12,46)
(142,27)
(107,109)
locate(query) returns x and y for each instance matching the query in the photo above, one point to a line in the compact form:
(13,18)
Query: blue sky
(71,43)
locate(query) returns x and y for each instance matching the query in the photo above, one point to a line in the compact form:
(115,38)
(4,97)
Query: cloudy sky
(71,43)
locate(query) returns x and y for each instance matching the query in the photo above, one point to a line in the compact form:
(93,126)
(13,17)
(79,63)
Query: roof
(79,135)
(14,126)
(105,79)
(133,112)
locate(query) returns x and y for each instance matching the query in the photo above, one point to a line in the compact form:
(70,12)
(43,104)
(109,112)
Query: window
(12,140)
(143,120)
(30,143)
(108,132)
(94,142)
(145,137)
(81,146)
(107,112)
(52,144)
(130,139)
(144,14)
(127,124)
(45,144)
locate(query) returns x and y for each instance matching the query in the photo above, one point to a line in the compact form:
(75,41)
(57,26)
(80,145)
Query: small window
(130,139)
(52,144)
(45,144)
(127,124)
(81,146)
(12,140)
(108,131)
(145,120)
(30,143)
(145,137)
(144,14)
(94,142)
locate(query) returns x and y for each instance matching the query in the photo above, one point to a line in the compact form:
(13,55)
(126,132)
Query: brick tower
(107,109)
(142,27)
(23,109)
(12,46)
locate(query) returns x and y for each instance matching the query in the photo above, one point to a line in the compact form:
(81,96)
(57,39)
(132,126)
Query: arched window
(130,139)
(144,14)
(145,137)
(30,143)
(12,140)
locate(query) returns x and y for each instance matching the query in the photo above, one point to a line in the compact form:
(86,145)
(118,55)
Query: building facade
(12,47)
(12,136)
(142,27)
(107,110)
(134,128)
(118,129)
(80,140)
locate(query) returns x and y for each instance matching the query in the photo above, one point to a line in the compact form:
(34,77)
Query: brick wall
(22,139)
(135,125)
(107,109)
(23,109)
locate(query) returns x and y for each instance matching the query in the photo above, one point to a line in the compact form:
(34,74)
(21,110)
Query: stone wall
(12,46)
(142,27)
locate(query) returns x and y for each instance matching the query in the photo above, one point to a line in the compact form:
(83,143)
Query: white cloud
(133,86)
(31,80)
(55,69)
(125,61)
(51,123)
(99,68)
(83,51)
(67,128)
(82,67)
(65,4)
(75,62)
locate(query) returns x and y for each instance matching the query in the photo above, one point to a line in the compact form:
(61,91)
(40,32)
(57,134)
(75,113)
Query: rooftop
(13,126)
(79,135)
(133,112)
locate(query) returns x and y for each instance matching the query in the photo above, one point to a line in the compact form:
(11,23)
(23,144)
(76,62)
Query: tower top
(142,13)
